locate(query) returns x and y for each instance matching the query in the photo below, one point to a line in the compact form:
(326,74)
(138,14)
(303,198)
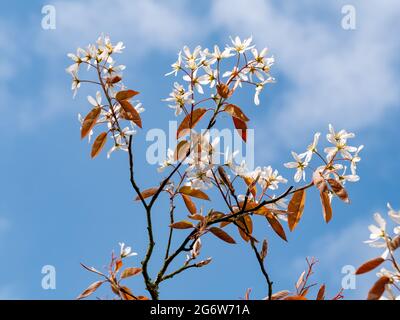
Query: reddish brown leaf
(250,183)
(378,288)
(130,113)
(224,91)
(395,243)
(295,298)
(326,206)
(126,294)
(241,128)
(296,208)
(118,265)
(90,121)
(130,272)
(276,225)
(339,190)
(245,227)
(321,293)
(182,225)
(181,150)
(225,179)
(370,265)
(280,295)
(190,121)
(147,193)
(189,204)
(125,95)
(194,193)
(222,235)
(264,249)
(98,144)
(113,80)
(92,288)
(236,112)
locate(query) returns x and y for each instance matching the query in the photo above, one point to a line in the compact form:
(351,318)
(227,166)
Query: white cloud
(145,25)
(347,78)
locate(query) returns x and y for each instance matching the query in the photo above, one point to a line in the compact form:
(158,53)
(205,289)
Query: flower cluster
(202,67)
(117,107)
(336,156)
(380,237)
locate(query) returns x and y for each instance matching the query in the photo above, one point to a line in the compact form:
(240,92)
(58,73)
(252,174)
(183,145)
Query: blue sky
(59,207)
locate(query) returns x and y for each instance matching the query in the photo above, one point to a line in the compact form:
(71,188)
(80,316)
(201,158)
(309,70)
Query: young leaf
(182,225)
(225,179)
(295,298)
(130,113)
(245,227)
(370,265)
(241,127)
(378,288)
(189,204)
(224,91)
(130,272)
(181,150)
(113,80)
(264,249)
(280,295)
(90,121)
(98,144)
(250,183)
(276,225)
(339,190)
(236,112)
(194,193)
(222,235)
(125,95)
(126,294)
(296,208)
(321,293)
(326,206)
(190,121)
(147,193)
(92,288)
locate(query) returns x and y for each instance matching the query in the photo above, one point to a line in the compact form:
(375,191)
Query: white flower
(176,66)
(217,55)
(73,68)
(191,58)
(259,57)
(377,232)
(241,169)
(312,148)
(299,164)
(95,102)
(259,88)
(168,161)
(237,76)
(76,83)
(120,142)
(212,75)
(270,178)
(355,159)
(180,97)
(240,46)
(350,177)
(339,140)
(196,81)
(126,251)
(229,158)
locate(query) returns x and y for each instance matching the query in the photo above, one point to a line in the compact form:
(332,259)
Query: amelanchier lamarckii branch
(209,81)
